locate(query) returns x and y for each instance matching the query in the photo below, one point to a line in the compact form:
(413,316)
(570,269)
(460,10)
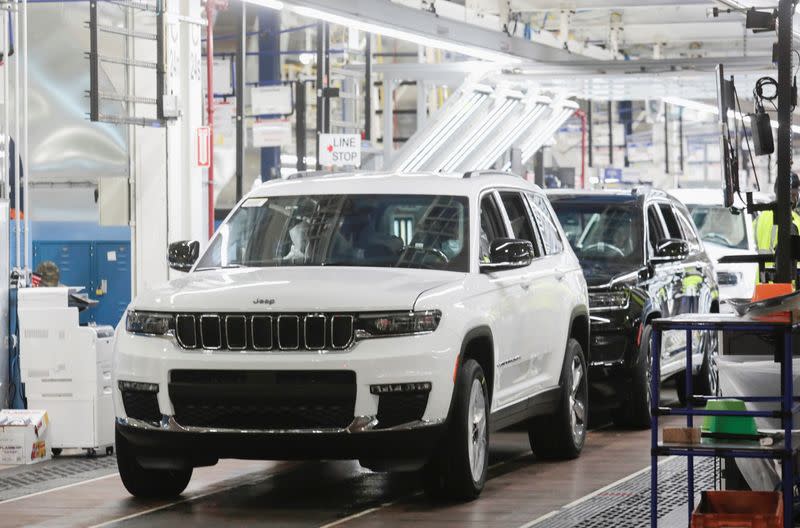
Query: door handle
(525,285)
(559,275)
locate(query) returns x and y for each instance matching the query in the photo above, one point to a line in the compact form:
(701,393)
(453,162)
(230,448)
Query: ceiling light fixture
(710,109)
(422,40)
(272,4)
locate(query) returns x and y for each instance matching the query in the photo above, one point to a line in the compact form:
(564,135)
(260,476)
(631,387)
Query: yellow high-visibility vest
(767,233)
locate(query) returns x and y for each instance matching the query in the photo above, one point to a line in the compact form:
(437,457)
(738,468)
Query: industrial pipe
(582,115)
(210,9)
(23,152)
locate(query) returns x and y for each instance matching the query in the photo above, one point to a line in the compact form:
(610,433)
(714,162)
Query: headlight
(728,278)
(397,323)
(616,300)
(149,323)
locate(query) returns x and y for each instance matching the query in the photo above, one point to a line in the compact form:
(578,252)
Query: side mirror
(508,253)
(182,255)
(671,250)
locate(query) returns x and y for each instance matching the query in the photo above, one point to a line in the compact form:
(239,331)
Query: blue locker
(75,262)
(112,281)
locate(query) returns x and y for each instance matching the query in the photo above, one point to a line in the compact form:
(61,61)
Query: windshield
(610,233)
(391,231)
(718,226)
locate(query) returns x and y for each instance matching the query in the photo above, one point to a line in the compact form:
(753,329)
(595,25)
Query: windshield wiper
(227,266)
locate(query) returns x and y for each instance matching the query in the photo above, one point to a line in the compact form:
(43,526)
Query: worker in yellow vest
(764,226)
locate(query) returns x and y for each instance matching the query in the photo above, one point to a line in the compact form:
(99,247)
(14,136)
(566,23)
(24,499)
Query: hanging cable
(747,139)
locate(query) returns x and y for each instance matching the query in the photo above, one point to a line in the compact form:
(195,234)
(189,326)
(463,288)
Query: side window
(654,230)
(670,220)
(690,235)
(517,212)
(551,239)
(491,226)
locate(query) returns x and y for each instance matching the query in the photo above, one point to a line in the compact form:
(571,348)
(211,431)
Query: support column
(269,72)
(368,88)
(784,263)
(320,86)
(538,168)
(241,50)
(589,133)
(610,134)
(666,138)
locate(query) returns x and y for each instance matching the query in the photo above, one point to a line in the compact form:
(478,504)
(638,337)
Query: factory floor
(521,491)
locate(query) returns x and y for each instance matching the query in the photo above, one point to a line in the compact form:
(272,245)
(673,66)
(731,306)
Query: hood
(295,289)
(717,251)
(600,274)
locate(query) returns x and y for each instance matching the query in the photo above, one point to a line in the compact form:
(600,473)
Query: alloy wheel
(577,402)
(476,425)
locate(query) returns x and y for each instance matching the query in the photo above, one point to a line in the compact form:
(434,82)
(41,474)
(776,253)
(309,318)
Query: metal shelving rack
(784,325)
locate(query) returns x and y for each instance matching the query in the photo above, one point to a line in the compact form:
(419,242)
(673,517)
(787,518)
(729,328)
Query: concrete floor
(315,494)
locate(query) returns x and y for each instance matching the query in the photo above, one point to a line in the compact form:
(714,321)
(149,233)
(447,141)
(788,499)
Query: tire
(148,483)
(635,411)
(562,435)
(680,387)
(457,470)
(706,382)
(56,451)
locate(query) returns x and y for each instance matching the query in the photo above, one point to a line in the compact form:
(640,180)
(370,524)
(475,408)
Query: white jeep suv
(391,318)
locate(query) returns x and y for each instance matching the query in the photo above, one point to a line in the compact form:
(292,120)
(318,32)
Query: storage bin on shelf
(740,509)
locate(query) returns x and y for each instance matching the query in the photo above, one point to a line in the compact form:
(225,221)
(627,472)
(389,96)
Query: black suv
(642,259)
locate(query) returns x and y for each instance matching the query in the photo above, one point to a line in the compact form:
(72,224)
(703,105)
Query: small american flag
(36,280)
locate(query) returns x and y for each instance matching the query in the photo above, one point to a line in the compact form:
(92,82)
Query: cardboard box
(23,436)
(681,435)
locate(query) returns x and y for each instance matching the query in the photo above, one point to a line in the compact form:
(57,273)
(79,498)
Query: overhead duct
(485,158)
(450,121)
(541,132)
(480,123)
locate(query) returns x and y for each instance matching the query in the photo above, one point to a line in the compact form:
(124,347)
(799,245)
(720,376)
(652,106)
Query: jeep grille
(261,332)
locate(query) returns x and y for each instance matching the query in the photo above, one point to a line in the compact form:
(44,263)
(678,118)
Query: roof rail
(486,172)
(308,174)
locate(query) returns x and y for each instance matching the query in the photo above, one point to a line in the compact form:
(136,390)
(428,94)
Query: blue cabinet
(113,282)
(102,268)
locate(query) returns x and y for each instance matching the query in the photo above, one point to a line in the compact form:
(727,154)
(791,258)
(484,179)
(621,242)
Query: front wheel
(148,483)
(562,435)
(457,471)
(635,411)
(707,380)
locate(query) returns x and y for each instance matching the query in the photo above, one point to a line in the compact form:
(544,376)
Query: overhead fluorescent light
(710,109)
(272,4)
(422,40)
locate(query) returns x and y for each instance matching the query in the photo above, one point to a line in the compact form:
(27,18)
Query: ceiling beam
(546,5)
(425,24)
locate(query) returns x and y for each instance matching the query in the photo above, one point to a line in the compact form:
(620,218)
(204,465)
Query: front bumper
(428,358)
(192,447)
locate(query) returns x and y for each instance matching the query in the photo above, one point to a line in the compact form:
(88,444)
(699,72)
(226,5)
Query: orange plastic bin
(739,509)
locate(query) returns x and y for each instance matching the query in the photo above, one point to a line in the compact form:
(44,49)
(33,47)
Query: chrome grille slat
(262,332)
(341,345)
(205,340)
(309,320)
(265,320)
(231,320)
(296,331)
(192,322)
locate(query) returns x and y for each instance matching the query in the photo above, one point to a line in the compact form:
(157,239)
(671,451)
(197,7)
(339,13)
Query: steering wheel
(429,251)
(719,237)
(603,247)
